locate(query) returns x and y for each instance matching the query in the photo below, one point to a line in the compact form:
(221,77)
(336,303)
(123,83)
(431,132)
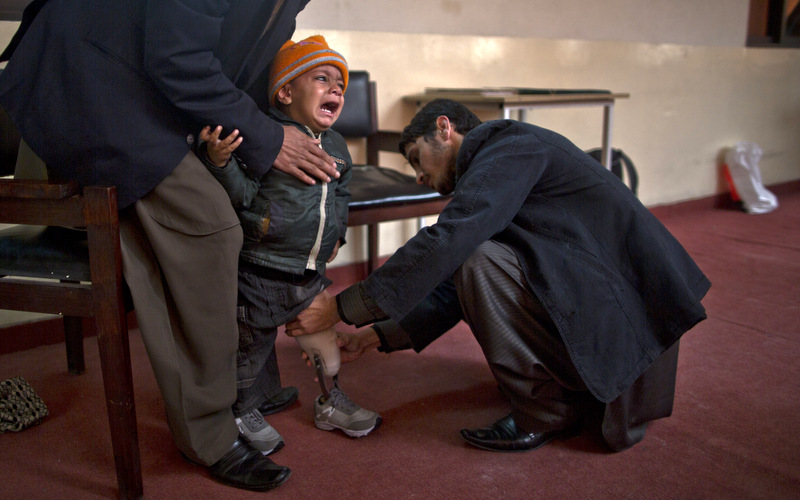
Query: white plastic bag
(742,164)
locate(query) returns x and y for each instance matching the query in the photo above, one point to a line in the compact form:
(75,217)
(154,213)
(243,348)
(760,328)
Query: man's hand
(302,157)
(353,345)
(320,315)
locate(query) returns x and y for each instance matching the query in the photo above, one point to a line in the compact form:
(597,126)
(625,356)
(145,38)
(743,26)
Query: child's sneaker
(259,433)
(339,412)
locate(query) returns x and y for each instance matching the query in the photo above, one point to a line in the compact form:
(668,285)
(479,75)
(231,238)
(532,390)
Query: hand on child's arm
(219,150)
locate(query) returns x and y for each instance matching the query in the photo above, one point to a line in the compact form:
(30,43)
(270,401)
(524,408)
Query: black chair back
(359,117)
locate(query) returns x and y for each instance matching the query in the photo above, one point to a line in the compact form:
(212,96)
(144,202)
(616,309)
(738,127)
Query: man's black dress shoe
(280,401)
(505,436)
(245,467)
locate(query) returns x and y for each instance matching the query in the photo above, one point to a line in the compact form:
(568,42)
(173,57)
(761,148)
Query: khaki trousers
(180,247)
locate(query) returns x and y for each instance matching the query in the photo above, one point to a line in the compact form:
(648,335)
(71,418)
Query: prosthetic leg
(333,409)
(323,352)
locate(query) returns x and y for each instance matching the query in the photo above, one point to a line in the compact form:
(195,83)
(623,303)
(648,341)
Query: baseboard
(720,201)
(51,330)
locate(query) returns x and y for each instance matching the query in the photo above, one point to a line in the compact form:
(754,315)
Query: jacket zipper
(312,257)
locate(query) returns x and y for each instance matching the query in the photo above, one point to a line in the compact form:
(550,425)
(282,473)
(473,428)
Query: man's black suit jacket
(115,93)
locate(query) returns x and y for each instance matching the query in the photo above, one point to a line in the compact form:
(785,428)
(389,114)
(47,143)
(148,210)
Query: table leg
(608,117)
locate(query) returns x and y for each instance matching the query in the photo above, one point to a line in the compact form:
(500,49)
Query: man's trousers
(531,364)
(180,247)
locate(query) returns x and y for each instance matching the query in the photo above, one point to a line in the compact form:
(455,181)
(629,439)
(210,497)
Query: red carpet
(734,433)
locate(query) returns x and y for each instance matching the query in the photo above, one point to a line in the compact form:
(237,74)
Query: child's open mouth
(330,107)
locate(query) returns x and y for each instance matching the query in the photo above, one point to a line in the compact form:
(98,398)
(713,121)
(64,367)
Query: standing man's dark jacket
(104,132)
(618,286)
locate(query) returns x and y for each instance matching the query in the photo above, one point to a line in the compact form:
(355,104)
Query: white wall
(687,22)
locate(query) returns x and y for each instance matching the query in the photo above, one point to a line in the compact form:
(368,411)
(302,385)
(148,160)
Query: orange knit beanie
(294,59)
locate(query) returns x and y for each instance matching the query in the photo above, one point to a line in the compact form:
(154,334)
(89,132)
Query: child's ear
(284,95)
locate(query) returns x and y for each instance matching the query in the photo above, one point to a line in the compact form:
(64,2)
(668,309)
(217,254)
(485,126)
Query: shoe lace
(254,421)
(341,402)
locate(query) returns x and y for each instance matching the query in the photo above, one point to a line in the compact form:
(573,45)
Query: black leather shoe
(280,401)
(245,467)
(505,436)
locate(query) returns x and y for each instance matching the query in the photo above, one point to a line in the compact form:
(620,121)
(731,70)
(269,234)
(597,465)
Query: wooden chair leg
(73,333)
(114,347)
(115,362)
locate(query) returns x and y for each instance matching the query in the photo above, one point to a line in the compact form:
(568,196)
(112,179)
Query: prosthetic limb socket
(322,350)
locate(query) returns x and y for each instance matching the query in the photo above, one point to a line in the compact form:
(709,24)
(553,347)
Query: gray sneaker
(259,433)
(339,412)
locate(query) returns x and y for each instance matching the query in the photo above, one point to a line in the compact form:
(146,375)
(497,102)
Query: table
(508,100)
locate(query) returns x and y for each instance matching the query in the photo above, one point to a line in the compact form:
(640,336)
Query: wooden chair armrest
(37,189)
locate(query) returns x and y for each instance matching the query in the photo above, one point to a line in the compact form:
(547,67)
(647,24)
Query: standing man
(573,289)
(115,93)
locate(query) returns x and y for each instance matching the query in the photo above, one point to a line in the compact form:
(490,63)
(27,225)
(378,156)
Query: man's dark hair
(424,122)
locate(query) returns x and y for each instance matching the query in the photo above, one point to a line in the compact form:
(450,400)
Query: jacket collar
(283,119)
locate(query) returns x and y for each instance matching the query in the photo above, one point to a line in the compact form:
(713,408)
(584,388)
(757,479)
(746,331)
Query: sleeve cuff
(202,153)
(392,337)
(355,307)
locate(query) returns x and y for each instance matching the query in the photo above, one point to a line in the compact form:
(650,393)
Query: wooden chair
(379,194)
(77,273)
